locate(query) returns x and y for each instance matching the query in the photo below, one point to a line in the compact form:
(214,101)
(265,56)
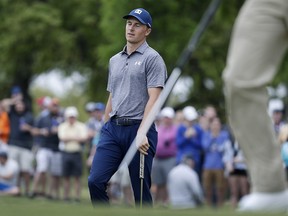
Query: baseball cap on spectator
(47,101)
(275,105)
(167,112)
(44,101)
(40,100)
(71,112)
(187,159)
(99,106)
(142,15)
(187,156)
(16,90)
(3,150)
(3,153)
(190,113)
(89,107)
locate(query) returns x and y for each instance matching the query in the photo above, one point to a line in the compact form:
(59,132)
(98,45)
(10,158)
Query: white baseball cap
(71,112)
(167,112)
(47,101)
(190,113)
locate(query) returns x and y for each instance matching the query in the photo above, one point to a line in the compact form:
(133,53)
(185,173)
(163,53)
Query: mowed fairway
(12,206)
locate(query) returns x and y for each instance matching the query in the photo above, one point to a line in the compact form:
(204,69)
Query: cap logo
(138,11)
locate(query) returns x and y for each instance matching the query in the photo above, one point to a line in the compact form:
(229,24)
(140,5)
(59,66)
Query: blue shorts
(5,187)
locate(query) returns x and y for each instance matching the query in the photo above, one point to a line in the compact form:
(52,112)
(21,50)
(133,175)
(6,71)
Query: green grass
(20,206)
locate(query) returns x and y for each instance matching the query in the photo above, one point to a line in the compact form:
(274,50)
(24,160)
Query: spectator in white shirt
(72,134)
(184,187)
(9,172)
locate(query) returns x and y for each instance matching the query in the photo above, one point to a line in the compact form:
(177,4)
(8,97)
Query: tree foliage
(39,35)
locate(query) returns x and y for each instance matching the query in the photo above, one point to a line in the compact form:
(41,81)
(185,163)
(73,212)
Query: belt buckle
(117,121)
(126,122)
(122,121)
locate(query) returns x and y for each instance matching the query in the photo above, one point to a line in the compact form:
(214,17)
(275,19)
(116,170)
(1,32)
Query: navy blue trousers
(114,143)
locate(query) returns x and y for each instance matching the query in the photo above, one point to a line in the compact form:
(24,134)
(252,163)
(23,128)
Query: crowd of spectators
(47,148)
(197,160)
(217,159)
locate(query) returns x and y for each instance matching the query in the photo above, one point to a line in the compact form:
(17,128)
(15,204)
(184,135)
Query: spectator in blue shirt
(213,143)
(48,156)
(20,141)
(188,138)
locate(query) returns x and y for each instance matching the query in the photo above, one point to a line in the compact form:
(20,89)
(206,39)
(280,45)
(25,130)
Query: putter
(141,176)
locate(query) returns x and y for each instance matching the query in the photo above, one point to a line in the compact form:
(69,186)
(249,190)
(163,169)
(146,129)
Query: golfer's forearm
(108,108)
(153,96)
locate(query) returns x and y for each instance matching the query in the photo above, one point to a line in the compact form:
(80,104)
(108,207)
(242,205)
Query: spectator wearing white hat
(188,138)
(165,157)
(276,111)
(72,133)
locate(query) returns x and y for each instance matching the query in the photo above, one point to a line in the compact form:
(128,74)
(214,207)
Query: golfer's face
(136,32)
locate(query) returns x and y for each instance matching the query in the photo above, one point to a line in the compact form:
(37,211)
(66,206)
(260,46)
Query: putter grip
(141,168)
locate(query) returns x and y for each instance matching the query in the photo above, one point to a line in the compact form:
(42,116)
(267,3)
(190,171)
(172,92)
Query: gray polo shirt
(130,76)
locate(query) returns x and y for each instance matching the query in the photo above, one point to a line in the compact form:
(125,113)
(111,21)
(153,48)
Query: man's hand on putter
(142,143)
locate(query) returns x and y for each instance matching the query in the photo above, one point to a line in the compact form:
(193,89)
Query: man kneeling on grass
(9,172)
(184,187)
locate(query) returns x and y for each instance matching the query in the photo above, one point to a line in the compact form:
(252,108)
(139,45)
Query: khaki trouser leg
(257,46)
(254,132)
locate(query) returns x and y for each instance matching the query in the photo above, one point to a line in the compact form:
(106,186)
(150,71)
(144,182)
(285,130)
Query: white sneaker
(264,202)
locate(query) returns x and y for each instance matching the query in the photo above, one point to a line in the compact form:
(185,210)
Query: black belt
(125,121)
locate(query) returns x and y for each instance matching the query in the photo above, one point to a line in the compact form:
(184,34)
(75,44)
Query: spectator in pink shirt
(165,158)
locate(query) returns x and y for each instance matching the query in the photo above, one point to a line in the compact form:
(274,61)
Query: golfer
(136,78)
(258,44)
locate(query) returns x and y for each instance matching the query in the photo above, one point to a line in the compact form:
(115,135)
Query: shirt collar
(140,49)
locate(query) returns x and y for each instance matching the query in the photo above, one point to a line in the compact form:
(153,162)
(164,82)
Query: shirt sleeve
(156,72)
